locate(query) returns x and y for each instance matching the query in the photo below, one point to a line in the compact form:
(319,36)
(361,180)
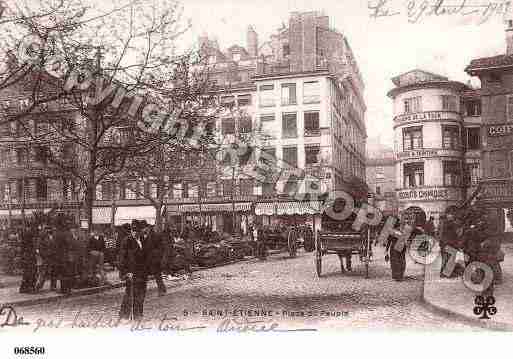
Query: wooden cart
(338,237)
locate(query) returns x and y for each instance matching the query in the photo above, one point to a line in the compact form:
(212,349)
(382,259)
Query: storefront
(289,213)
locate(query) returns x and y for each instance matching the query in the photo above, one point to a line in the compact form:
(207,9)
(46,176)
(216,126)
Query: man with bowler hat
(134,267)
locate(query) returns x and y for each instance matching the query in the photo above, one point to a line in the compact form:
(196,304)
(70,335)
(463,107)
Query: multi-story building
(300,96)
(28,182)
(437,129)
(496,75)
(380,173)
(297,98)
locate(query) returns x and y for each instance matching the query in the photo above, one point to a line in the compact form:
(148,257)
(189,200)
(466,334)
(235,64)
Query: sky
(384,46)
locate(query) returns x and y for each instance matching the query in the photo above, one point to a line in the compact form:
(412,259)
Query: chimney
(509,37)
(252,41)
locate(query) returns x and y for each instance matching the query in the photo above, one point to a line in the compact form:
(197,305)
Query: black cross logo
(485,307)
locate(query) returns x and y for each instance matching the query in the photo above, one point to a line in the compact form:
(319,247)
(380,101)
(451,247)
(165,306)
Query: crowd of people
(471,231)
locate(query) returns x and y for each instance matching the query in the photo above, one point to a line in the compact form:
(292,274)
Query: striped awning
(16,213)
(102,215)
(288,208)
(216,207)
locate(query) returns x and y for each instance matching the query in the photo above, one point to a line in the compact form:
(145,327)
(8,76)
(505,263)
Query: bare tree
(104,78)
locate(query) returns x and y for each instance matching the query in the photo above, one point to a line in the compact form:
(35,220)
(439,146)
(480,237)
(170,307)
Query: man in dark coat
(157,245)
(47,251)
(134,267)
(29,263)
(96,257)
(429,227)
(64,254)
(449,238)
(397,255)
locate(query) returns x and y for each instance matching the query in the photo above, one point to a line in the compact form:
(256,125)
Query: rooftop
(488,63)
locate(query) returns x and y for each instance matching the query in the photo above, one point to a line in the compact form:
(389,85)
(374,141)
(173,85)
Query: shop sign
(497,191)
(426,153)
(426,116)
(500,130)
(429,194)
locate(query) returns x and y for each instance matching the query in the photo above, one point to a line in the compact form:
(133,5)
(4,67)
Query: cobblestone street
(288,288)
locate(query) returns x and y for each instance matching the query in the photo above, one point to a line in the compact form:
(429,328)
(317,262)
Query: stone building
(496,75)
(437,130)
(380,174)
(300,96)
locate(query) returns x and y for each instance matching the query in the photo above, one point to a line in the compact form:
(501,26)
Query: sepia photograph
(209,168)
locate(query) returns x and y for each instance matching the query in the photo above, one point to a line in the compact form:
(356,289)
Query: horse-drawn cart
(289,238)
(338,237)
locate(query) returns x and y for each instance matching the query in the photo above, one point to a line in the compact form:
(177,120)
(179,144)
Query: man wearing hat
(134,267)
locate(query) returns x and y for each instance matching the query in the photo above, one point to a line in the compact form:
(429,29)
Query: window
(473,138)
(413,104)
(449,103)
(452,173)
(494,77)
(99,192)
(228,101)
(211,189)
(473,173)
(246,187)
(286,50)
(228,126)
(21,156)
(312,155)
(177,190)
(153,190)
(378,190)
(5,129)
(244,100)
(380,173)
(311,92)
(106,189)
(193,190)
(290,156)
(289,125)
(312,124)
(498,164)
(41,154)
(131,190)
(288,94)
(227,187)
(473,108)
(413,174)
(245,125)
(267,125)
(510,108)
(412,138)
(236,57)
(266,95)
(41,188)
(451,137)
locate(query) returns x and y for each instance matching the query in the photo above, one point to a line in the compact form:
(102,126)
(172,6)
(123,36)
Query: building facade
(437,131)
(297,98)
(496,76)
(380,173)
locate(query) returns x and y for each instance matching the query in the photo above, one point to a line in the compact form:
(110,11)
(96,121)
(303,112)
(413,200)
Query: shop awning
(16,213)
(288,208)
(215,207)
(127,214)
(102,215)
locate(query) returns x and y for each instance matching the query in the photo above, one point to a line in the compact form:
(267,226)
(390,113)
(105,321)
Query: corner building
(433,170)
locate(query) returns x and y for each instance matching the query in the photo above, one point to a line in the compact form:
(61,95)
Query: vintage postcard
(220,167)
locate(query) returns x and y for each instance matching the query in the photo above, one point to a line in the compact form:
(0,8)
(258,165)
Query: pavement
(10,295)
(450,296)
(225,299)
